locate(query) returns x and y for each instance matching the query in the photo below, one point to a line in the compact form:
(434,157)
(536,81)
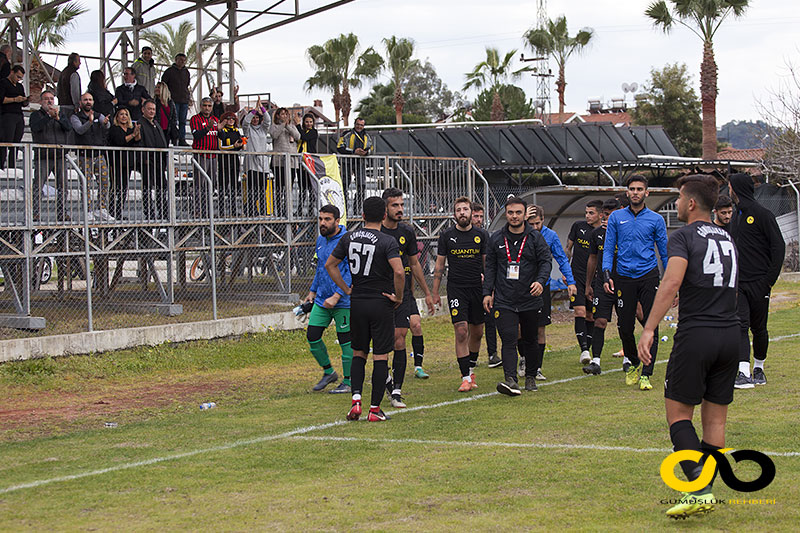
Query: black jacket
(125,95)
(535,265)
(48,130)
(758,238)
(155,162)
(103,100)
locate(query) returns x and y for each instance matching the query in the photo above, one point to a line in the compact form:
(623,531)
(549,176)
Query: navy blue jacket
(633,236)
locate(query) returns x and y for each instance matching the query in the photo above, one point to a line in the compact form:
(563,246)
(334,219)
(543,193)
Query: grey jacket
(284,139)
(146,74)
(258,140)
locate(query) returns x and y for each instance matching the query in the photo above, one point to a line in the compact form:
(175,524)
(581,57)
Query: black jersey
(368,252)
(407,244)
(596,240)
(579,235)
(464,251)
(710,285)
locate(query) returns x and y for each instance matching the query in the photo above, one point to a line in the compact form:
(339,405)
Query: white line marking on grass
(507,444)
(307,429)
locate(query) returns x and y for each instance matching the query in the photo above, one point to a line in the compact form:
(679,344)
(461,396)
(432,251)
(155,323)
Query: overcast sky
(751,52)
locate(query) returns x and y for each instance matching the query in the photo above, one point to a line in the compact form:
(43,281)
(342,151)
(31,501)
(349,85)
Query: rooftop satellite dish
(634,87)
(626,88)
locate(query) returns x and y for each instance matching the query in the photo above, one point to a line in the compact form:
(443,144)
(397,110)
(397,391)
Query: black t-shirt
(579,235)
(368,252)
(709,289)
(407,244)
(464,251)
(9,90)
(596,240)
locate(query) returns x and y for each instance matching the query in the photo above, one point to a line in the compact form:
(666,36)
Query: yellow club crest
(477,239)
(402,240)
(496,314)
(750,220)
(454,312)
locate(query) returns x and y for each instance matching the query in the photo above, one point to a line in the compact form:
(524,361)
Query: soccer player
(378,280)
(462,247)
(602,302)
(535,215)
(578,252)
(489,330)
(330,303)
(758,237)
(702,366)
(634,232)
(723,211)
(407,245)
(518,264)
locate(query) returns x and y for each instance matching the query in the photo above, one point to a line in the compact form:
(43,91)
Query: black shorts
(466,304)
(603,303)
(372,320)
(404,312)
(580,298)
(703,365)
(544,312)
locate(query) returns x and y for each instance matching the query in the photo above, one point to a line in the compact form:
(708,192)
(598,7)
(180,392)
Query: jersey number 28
(361,253)
(712,262)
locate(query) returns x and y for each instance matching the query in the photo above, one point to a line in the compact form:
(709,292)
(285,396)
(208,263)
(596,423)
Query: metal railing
(107,237)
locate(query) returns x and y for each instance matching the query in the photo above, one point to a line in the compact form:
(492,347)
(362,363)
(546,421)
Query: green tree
(493,72)
(670,100)
(514,104)
(399,61)
(429,94)
(554,40)
(378,107)
(703,18)
(338,64)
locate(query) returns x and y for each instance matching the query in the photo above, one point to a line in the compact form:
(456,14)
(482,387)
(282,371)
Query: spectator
(230,140)
(5,61)
(130,94)
(355,142)
(284,135)
(90,130)
(68,89)
(12,99)
(221,108)
(124,134)
(48,126)
(177,78)
(205,128)
(256,125)
(166,112)
(306,144)
(104,101)
(145,69)
(155,163)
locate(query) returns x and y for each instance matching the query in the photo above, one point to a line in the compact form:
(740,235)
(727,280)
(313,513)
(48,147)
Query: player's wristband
(606,276)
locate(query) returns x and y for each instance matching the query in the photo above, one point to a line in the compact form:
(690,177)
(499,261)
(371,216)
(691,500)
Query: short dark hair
(374,209)
(48,91)
(146,48)
(129,69)
(702,188)
(149,101)
(538,211)
(359,118)
(477,206)
(462,200)
(18,68)
(332,209)
(72,57)
(635,178)
(180,54)
(612,204)
(622,199)
(516,200)
(722,202)
(596,204)
(391,192)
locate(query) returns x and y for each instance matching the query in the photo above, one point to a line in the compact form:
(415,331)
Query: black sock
(707,448)
(473,359)
(418,345)
(589,332)
(399,363)
(357,374)
(380,371)
(531,358)
(598,340)
(540,359)
(684,437)
(580,331)
(463,365)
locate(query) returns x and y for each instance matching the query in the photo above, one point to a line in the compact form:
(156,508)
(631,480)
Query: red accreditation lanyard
(513,268)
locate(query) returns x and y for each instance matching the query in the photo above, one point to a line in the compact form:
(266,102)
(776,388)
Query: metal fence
(142,226)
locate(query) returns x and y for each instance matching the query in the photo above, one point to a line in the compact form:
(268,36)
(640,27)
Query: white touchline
(507,444)
(307,429)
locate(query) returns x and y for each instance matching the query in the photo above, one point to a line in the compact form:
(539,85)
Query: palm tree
(554,39)
(493,72)
(339,65)
(703,18)
(398,59)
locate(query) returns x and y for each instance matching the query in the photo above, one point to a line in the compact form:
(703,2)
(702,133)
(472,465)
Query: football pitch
(582,453)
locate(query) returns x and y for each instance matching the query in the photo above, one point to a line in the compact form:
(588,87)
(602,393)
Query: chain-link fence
(142,226)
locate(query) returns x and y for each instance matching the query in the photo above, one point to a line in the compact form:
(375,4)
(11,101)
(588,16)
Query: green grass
(376,482)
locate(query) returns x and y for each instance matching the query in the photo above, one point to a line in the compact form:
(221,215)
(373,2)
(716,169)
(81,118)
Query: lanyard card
(513,271)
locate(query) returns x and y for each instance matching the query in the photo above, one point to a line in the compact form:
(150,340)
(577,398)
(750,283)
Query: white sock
(374,407)
(625,360)
(758,363)
(396,391)
(744,368)
(596,360)
(417,368)
(356,397)
(466,378)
